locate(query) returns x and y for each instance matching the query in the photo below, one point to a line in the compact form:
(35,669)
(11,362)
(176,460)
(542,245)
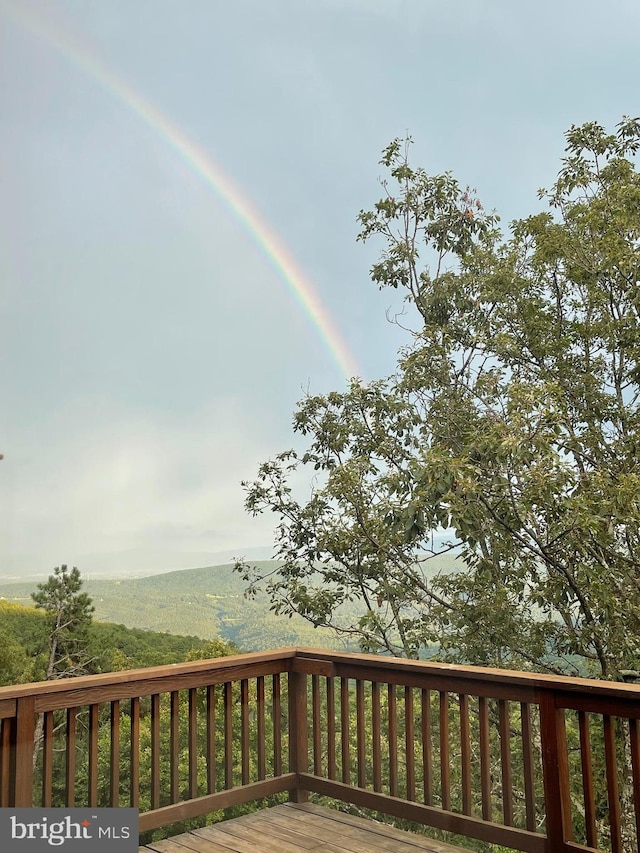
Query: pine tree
(68,612)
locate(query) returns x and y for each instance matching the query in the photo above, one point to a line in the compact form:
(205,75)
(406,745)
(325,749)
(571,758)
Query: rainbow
(199,161)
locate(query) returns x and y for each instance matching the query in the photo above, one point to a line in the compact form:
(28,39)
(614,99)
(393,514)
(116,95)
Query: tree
(68,616)
(512,420)
(14,663)
(68,612)
(217,648)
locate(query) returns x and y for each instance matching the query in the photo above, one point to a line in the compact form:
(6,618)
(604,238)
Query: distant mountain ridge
(137,562)
(207,602)
(133,562)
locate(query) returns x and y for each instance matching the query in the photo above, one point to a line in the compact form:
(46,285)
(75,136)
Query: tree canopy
(512,420)
(68,614)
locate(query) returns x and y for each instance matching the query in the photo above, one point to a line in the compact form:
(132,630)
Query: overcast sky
(151,352)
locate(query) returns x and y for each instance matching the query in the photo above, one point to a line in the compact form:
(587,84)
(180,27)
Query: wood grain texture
(299,828)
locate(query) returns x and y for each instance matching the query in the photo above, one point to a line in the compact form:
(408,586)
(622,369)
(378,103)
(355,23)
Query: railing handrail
(592,686)
(121,678)
(128,682)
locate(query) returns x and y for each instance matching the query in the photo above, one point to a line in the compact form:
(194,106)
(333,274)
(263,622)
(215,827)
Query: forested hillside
(209,602)
(109,646)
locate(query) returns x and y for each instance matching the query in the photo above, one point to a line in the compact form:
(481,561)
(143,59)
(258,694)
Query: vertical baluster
(409,738)
(47,760)
(634,742)
(527,766)
(5,756)
(393,740)
(344,736)
(155,751)
(298,733)
(94,721)
(276,704)
(360,734)
(211,738)
(70,754)
(228,735)
(174,747)
(316,724)
(485,757)
(555,769)
(465,753)
(612,783)
(134,754)
(427,761)
(587,779)
(114,799)
(445,770)
(331,729)
(505,762)
(22,752)
(376,736)
(244,730)
(262,764)
(11,765)
(193,742)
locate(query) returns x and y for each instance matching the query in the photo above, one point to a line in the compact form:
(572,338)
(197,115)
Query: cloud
(111,479)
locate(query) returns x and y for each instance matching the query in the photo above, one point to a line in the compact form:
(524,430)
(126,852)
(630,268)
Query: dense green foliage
(162,613)
(209,602)
(513,419)
(14,660)
(110,647)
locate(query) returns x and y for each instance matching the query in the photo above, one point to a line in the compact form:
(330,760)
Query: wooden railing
(532,762)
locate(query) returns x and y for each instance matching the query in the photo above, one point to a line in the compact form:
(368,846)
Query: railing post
(555,771)
(23,748)
(298,733)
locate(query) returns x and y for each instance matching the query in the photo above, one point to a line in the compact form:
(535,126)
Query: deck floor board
(299,828)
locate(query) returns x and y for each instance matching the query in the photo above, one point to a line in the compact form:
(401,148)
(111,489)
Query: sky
(179,187)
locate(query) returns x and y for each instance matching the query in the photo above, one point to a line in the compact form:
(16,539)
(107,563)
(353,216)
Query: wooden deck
(302,828)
